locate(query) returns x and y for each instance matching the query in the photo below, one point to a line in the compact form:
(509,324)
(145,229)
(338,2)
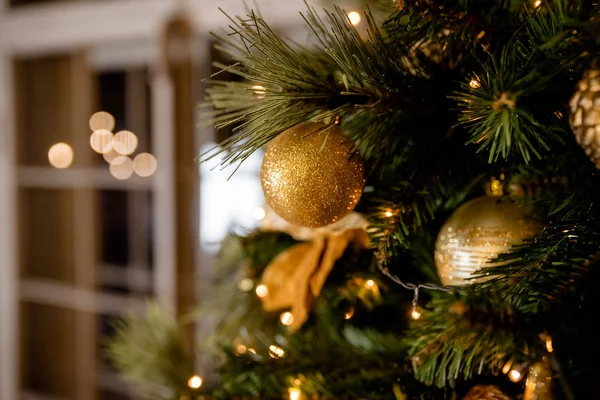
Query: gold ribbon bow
(297,275)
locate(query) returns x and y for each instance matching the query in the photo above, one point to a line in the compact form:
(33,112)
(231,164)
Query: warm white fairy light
(370,283)
(276,351)
(261,291)
(354,18)
(474,83)
(121,167)
(349,313)
(145,164)
(259,213)
(537,3)
(195,382)
(549,345)
(286,318)
(102,120)
(111,155)
(259,91)
(506,367)
(60,155)
(245,285)
(125,142)
(294,393)
(241,349)
(101,141)
(389,213)
(416,312)
(514,375)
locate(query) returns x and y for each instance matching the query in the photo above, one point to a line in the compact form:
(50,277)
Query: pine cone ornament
(485,392)
(585,114)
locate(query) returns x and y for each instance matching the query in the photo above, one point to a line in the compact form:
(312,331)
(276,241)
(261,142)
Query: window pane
(46,233)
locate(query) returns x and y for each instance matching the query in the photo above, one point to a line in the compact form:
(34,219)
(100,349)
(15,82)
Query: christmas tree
(434,212)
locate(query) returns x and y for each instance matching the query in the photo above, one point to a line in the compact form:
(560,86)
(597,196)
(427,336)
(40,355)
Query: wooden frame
(135,25)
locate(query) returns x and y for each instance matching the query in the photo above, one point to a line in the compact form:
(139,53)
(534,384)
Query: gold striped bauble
(478,232)
(585,114)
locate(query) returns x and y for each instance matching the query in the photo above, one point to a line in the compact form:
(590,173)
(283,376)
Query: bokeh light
(101,141)
(125,142)
(354,17)
(145,164)
(102,120)
(121,167)
(60,155)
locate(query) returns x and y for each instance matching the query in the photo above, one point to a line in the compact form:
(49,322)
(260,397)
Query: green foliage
(494,108)
(410,92)
(462,337)
(148,349)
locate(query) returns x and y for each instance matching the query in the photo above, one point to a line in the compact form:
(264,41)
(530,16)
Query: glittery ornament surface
(312,178)
(539,382)
(485,392)
(585,114)
(476,233)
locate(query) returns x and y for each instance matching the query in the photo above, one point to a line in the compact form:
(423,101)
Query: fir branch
(325,362)
(498,114)
(541,270)
(148,350)
(398,212)
(458,338)
(550,28)
(345,76)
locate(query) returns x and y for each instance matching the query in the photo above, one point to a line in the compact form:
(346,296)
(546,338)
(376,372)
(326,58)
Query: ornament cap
(495,187)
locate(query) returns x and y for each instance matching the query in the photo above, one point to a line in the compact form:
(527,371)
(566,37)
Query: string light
(125,142)
(349,314)
(474,83)
(111,155)
(259,213)
(241,349)
(294,393)
(297,382)
(195,382)
(245,285)
(261,291)
(549,345)
(121,167)
(276,351)
(370,283)
(506,367)
(416,310)
(354,18)
(514,375)
(60,155)
(145,164)
(537,3)
(259,90)
(389,213)
(287,318)
(102,120)
(251,350)
(101,141)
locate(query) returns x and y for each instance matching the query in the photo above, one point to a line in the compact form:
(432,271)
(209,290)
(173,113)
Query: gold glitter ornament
(476,233)
(312,177)
(585,114)
(485,392)
(538,385)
